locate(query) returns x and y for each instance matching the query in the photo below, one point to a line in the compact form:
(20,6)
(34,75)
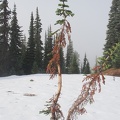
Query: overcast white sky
(89,24)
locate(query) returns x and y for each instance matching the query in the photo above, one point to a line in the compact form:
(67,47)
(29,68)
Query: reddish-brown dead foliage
(60,41)
(91,85)
(54,68)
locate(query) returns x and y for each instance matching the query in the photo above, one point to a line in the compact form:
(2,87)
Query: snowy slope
(17,104)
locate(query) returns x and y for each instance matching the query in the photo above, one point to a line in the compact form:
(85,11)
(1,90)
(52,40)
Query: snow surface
(16,104)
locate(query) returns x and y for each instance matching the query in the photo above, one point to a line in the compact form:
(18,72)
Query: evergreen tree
(45,54)
(113,32)
(38,43)
(69,55)
(4,30)
(86,66)
(62,60)
(35,68)
(48,48)
(30,52)
(15,45)
(74,65)
(24,46)
(23,51)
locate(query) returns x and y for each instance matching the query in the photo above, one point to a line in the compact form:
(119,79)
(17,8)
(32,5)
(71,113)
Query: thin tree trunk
(59,84)
(55,100)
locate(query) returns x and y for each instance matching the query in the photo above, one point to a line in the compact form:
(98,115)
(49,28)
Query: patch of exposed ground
(112,72)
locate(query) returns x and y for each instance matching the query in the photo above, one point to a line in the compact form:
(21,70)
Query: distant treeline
(20,55)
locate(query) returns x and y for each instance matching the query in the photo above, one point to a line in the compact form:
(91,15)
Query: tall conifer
(69,55)
(113,32)
(62,60)
(15,45)
(48,47)
(86,66)
(38,43)
(4,30)
(23,52)
(30,52)
(74,64)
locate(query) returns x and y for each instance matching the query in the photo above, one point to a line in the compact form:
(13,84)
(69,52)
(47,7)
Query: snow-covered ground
(17,104)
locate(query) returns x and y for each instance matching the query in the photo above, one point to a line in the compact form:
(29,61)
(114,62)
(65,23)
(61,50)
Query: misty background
(89,24)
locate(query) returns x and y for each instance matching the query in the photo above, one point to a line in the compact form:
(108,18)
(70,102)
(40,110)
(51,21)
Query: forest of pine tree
(21,55)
